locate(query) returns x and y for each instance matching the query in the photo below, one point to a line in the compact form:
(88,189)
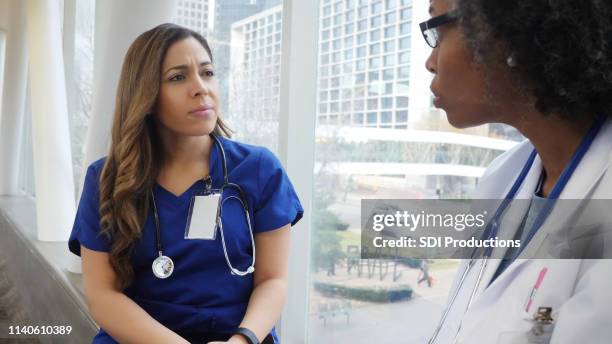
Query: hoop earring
(511,61)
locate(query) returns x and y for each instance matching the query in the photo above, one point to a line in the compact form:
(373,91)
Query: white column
(118,23)
(13,95)
(419,100)
(2,59)
(55,204)
(296,149)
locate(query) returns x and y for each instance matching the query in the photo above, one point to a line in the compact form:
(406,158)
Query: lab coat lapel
(510,224)
(580,187)
(592,166)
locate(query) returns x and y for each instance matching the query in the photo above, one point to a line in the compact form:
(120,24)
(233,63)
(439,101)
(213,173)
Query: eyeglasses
(429,27)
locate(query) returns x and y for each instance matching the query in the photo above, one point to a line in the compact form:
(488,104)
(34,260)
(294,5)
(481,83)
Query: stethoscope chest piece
(163,266)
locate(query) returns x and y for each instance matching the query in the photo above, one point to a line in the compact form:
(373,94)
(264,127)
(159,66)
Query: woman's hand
(236,339)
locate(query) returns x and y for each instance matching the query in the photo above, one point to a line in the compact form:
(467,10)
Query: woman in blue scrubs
(168,146)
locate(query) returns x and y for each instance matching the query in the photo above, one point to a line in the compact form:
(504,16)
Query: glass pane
(370,156)
(245,37)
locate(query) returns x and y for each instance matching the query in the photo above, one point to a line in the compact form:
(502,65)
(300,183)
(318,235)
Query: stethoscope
(492,227)
(163,266)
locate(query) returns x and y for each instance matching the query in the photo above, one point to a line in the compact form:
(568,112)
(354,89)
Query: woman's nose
(432,60)
(200,88)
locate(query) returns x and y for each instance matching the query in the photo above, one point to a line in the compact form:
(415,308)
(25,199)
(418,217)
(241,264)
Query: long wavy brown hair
(134,158)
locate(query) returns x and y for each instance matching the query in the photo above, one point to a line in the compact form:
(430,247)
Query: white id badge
(202,221)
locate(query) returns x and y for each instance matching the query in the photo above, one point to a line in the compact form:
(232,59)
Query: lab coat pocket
(537,332)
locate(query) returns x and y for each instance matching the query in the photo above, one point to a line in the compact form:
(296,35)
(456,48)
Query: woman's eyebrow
(183,67)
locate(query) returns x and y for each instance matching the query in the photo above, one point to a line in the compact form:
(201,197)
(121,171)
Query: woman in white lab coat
(545,68)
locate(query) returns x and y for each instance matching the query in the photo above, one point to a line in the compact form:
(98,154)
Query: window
(336,57)
(373,76)
(360,64)
(388,88)
(337,44)
(325,34)
(402,87)
(349,29)
(388,74)
(401,116)
(361,52)
(325,47)
(372,118)
(350,16)
(359,78)
(375,22)
(386,117)
(361,38)
(326,11)
(338,7)
(336,70)
(348,41)
(347,67)
(404,43)
(322,107)
(406,14)
(387,103)
(358,118)
(389,46)
(362,25)
(375,49)
(402,73)
(338,19)
(347,93)
(374,35)
(363,12)
(376,7)
(405,29)
(375,62)
(370,84)
(401,102)
(389,60)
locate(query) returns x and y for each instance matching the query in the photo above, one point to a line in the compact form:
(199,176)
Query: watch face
(163,267)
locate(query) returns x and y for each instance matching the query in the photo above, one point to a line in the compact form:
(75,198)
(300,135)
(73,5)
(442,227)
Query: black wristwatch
(248,334)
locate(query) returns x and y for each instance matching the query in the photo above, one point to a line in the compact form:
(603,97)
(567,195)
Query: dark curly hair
(562,49)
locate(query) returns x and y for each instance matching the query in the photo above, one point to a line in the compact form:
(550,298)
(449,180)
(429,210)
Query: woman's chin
(463,120)
(201,130)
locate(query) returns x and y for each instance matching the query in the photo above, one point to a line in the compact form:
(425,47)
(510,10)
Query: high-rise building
(198,15)
(255,70)
(214,20)
(364,63)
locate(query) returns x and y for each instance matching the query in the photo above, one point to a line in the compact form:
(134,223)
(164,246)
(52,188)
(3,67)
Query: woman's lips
(203,113)
(436,101)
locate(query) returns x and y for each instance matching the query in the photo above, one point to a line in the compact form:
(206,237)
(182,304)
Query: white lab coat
(579,291)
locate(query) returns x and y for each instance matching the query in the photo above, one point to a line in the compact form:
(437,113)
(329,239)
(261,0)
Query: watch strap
(247,334)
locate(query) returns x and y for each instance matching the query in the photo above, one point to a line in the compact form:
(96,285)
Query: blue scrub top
(201,296)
